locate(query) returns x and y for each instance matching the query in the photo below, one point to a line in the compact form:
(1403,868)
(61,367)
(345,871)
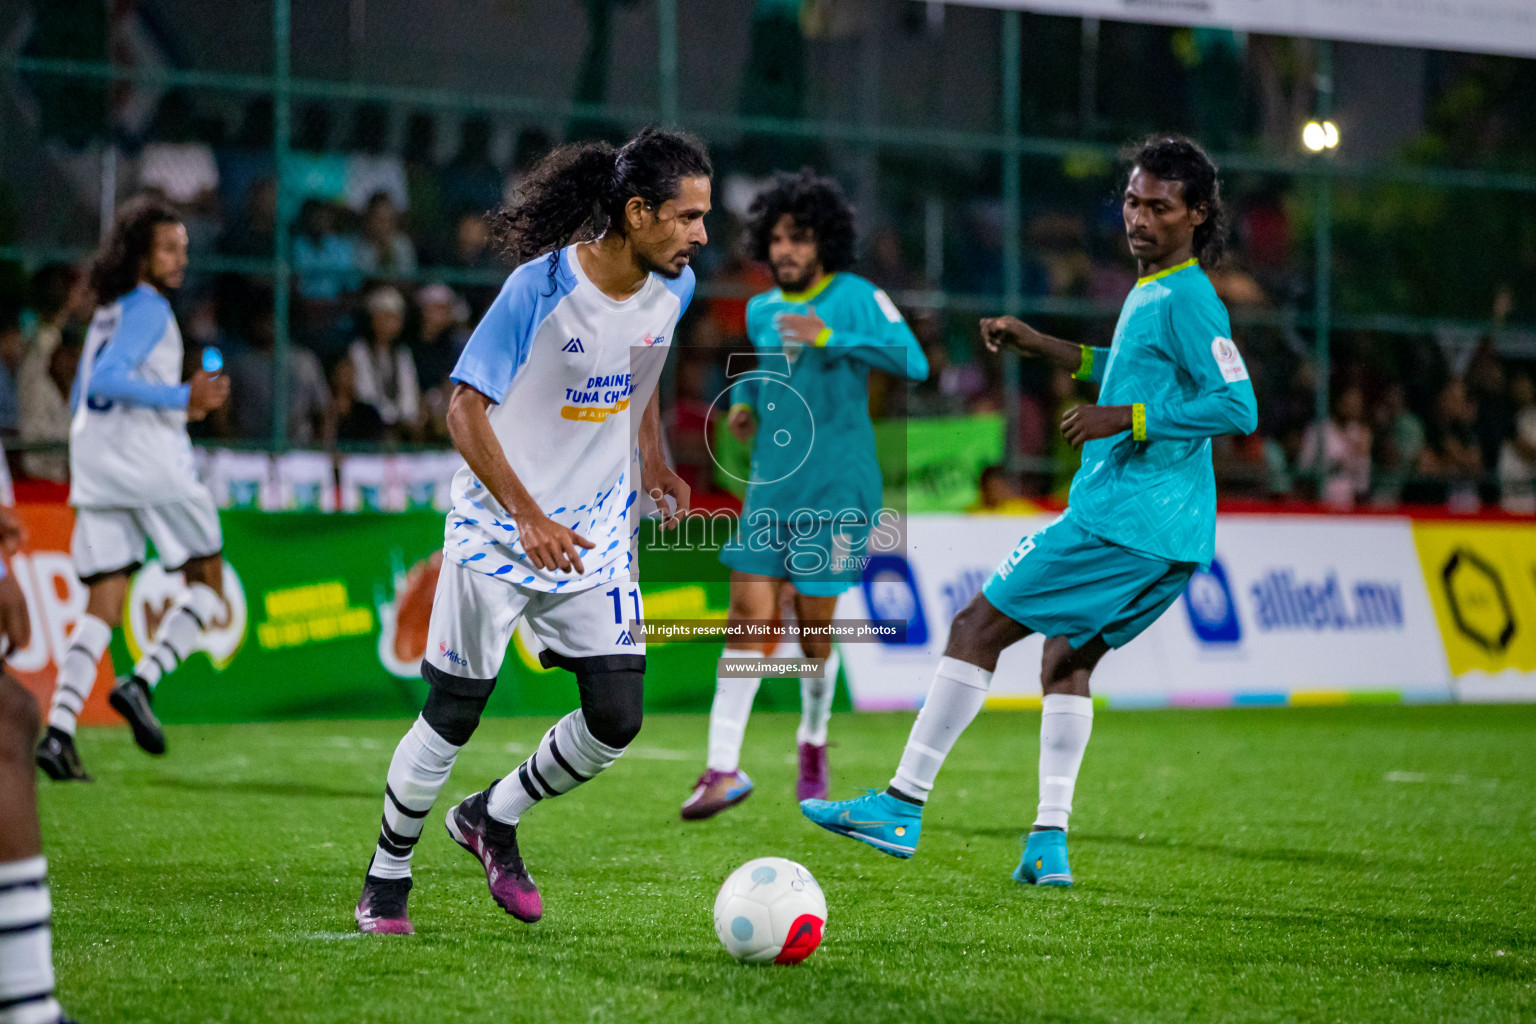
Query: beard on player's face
(794,277)
(666,259)
(793,271)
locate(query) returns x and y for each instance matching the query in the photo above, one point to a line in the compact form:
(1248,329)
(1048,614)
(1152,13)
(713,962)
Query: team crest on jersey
(1229,359)
(574,345)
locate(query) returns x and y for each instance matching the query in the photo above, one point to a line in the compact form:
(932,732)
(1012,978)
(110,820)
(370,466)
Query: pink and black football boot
(494,844)
(381,908)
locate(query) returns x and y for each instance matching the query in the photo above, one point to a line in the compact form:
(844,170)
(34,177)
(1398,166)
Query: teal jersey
(1152,489)
(815,446)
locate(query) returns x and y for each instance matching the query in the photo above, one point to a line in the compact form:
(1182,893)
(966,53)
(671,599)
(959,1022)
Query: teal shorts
(1063,581)
(822,558)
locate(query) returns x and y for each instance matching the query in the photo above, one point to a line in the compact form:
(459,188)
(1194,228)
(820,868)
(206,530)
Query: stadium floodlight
(1320,135)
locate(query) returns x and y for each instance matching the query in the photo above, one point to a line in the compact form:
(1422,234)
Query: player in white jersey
(132,479)
(554,411)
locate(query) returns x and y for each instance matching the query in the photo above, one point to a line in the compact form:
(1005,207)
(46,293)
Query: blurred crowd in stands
(393,264)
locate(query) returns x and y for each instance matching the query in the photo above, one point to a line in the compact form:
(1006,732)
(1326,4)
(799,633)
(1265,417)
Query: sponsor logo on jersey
(650,340)
(450,655)
(599,398)
(624,640)
(574,345)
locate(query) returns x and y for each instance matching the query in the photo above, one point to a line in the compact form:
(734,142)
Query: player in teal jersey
(1141,515)
(814,491)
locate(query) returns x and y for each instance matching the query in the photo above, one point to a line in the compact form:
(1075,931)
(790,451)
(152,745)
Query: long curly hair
(115,267)
(816,204)
(578,191)
(1177,158)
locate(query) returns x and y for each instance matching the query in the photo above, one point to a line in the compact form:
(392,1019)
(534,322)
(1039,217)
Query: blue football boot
(889,825)
(1045,859)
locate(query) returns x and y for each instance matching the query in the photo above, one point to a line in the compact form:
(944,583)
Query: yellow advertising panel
(1482,582)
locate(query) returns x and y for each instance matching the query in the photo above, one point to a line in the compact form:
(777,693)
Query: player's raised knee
(615,726)
(612,697)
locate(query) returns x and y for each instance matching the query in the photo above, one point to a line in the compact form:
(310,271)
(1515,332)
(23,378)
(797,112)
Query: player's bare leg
(815,697)
(196,609)
(26,943)
(56,753)
(754,598)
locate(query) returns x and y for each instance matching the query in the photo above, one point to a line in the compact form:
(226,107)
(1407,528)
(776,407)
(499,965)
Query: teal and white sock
(816,703)
(729,713)
(1066,722)
(959,690)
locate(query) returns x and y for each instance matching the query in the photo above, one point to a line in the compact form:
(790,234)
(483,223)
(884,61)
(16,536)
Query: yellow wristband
(1085,369)
(823,337)
(1138,422)
(739,405)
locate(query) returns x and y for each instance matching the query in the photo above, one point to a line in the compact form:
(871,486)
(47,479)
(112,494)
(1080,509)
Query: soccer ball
(770,911)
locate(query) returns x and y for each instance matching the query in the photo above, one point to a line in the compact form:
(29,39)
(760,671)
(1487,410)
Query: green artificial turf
(1341,864)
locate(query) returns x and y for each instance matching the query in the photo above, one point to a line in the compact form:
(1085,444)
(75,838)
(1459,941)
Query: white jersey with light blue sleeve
(128,444)
(570,371)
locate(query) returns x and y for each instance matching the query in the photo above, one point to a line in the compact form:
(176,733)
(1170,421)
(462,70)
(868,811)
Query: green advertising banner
(328,617)
(933,464)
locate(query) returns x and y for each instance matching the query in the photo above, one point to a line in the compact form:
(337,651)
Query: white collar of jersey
(573,263)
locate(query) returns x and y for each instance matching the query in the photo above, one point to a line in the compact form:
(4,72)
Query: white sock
(959,689)
(729,713)
(417,772)
(1065,723)
(87,643)
(816,703)
(567,756)
(26,944)
(195,609)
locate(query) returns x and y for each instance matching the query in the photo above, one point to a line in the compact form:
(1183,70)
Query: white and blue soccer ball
(770,910)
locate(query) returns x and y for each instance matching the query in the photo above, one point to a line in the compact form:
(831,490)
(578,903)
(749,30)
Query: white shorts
(473,616)
(109,541)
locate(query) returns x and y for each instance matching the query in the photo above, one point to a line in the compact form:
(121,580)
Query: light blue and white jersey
(571,371)
(128,444)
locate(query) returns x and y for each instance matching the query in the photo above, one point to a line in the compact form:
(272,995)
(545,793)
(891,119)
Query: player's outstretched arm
(656,476)
(549,545)
(1005,332)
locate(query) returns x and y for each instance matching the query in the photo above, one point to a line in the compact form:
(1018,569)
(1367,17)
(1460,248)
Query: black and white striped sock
(567,756)
(193,612)
(87,643)
(417,772)
(26,944)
